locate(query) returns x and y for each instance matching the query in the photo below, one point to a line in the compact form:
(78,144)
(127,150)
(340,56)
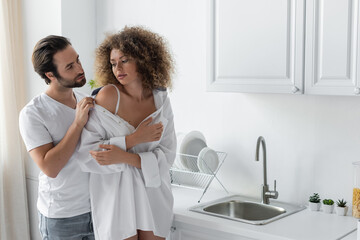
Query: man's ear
(50,76)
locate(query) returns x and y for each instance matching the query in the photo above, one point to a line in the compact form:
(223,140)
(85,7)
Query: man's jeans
(73,228)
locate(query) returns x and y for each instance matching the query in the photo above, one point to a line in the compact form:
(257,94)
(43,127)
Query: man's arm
(51,159)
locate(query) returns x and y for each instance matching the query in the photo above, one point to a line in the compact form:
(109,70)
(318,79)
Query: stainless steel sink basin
(248,210)
(245,210)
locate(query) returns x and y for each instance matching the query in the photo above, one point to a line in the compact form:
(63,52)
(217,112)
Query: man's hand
(82,111)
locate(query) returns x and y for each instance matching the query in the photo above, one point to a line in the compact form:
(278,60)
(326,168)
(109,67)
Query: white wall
(72,19)
(78,19)
(38,24)
(311,140)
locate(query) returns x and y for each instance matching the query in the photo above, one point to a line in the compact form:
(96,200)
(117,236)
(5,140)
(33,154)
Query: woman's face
(123,68)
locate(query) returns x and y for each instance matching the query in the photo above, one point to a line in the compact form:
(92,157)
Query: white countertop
(303,225)
(351,236)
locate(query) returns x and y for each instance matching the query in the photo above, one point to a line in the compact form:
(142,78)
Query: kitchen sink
(248,210)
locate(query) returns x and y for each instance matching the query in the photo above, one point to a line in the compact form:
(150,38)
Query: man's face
(70,73)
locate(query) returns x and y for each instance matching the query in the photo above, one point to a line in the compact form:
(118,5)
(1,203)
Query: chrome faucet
(266,193)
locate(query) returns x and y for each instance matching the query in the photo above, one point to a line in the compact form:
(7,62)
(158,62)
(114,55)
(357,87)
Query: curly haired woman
(132,121)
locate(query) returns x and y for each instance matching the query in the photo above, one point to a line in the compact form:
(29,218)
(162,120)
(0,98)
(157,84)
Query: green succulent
(315,198)
(328,202)
(341,203)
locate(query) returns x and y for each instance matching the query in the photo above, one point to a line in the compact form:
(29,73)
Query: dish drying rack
(191,177)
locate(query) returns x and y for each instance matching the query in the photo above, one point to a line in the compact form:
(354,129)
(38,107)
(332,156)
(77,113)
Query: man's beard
(71,83)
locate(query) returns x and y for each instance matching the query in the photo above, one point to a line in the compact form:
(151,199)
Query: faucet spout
(266,193)
(261,141)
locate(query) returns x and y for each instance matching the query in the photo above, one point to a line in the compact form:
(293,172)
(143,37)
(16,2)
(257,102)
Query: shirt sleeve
(157,162)
(33,129)
(94,134)
(119,142)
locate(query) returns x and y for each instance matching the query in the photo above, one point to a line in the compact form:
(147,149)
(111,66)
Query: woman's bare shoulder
(107,98)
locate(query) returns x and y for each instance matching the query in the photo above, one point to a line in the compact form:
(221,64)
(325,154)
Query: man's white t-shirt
(44,120)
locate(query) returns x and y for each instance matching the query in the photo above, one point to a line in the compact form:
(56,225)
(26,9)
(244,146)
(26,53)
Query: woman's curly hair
(149,51)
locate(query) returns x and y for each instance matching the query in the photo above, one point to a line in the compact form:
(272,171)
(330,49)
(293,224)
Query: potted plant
(93,84)
(341,208)
(314,202)
(328,205)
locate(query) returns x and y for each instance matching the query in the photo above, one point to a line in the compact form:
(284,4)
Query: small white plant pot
(314,206)
(328,208)
(341,211)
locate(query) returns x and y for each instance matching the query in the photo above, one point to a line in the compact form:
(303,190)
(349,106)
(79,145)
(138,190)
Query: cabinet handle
(295,89)
(357,90)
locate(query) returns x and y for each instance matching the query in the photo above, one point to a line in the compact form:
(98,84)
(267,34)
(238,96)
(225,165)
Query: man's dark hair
(44,51)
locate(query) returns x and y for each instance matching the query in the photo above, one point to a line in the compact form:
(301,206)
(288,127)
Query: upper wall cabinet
(331,47)
(256,46)
(261,46)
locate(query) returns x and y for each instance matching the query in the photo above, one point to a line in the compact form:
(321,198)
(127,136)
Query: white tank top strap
(118,99)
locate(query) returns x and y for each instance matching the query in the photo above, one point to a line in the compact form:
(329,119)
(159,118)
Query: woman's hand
(113,155)
(146,132)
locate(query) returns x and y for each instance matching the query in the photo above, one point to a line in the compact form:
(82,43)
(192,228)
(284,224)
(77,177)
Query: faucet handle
(275,193)
(275,185)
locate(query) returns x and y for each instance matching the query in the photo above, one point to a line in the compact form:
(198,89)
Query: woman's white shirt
(124,198)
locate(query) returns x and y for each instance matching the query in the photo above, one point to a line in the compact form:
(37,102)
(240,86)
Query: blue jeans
(72,228)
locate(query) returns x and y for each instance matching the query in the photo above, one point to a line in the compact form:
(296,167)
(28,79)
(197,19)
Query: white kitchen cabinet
(256,46)
(183,231)
(331,55)
(283,46)
(32,190)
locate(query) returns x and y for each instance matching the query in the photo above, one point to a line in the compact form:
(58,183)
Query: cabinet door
(183,231)
(331,47)
(256,46)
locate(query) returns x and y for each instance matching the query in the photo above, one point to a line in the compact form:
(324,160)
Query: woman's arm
(161,156)
(113,153)
(94,137)
(146,132)
(155,164)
